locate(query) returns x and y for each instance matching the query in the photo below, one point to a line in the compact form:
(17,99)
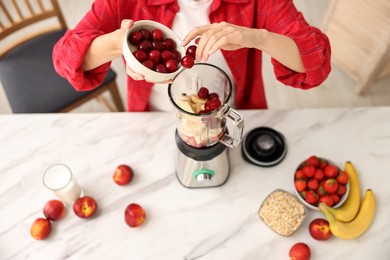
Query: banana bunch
(353,218)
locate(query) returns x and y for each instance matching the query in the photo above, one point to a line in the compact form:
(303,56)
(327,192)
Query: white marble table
(216,223)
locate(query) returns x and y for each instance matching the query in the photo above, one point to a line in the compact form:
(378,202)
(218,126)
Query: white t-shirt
(192,13)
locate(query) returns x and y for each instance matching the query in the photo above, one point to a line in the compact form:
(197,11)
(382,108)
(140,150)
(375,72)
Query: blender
(206,125)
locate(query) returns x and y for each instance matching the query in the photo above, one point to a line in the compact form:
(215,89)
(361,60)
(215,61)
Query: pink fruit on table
(85,207)
(54,210)
(40,228)
(123,174)
(134,215)
(300,251)
(319,229)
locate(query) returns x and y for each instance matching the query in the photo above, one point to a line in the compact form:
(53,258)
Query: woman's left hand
(223,36)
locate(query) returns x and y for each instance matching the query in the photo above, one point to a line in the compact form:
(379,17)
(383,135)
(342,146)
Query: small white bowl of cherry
(154,51)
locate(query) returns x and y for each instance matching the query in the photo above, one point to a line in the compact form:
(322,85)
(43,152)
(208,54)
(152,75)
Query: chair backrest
(23,20)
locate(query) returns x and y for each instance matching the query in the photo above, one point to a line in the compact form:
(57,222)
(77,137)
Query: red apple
(123,174)
(54,210)
(299,251)
(319,229)
(40,228)
(85,207)
(134,215)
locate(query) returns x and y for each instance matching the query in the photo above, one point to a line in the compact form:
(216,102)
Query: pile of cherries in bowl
(158,53)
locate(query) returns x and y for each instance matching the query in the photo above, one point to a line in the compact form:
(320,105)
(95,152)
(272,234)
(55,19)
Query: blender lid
(264,146)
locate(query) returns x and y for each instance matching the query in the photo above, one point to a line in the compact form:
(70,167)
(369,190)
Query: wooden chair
(26,67)
(359,32)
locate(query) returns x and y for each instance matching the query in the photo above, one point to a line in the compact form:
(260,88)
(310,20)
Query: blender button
(203,177)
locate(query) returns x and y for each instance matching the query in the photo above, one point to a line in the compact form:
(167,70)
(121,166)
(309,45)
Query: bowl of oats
(282,212)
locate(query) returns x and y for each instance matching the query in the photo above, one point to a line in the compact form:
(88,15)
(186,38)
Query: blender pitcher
(202,134)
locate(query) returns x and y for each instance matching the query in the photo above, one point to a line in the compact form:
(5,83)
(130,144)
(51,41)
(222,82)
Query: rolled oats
(282,212)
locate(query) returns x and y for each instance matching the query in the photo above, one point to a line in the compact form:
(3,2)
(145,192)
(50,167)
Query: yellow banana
(359,224)
(349,209)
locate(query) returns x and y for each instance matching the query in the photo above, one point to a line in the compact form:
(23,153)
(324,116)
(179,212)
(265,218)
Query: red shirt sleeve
(313,46)
(70,50)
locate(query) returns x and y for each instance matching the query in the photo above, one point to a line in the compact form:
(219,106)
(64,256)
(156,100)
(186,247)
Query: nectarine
(85,207)
(300,251)
(123,174)
(40,228)
(134,215)
(54,210)
(319,229)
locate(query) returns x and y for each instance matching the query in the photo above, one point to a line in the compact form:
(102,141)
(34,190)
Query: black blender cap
(264,146)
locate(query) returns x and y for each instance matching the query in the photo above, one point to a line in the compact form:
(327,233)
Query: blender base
(201,167)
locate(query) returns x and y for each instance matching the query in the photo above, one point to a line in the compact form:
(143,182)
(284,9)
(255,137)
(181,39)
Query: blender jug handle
(238,123)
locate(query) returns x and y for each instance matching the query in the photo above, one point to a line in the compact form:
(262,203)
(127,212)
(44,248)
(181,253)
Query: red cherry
(140,55)
(197,40)
(155,56)
(161,68)
(169,44)
(135,37)
(157,35)
(166,55)
(146,34)
(187,61)
(212,104)
(149,64)
(213,96)
(171,65)
(176,55)
(203,92)
(158,45)
(145,45)
(191,50)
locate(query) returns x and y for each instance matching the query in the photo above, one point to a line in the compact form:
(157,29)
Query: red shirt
(279,16)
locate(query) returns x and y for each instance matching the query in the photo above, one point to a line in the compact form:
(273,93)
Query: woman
(233,36)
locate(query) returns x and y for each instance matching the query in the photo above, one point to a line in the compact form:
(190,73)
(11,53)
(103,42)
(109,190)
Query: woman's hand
(231,37)
(223,36)
(121,32)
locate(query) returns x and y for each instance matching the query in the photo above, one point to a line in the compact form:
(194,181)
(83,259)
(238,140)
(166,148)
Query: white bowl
(310,206)
(135,65)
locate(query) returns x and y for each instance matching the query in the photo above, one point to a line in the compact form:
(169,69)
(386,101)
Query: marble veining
(214,223)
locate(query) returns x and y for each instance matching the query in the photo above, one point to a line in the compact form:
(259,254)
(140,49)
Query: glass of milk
(59,179)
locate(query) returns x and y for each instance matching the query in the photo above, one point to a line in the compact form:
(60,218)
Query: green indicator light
(203,171)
